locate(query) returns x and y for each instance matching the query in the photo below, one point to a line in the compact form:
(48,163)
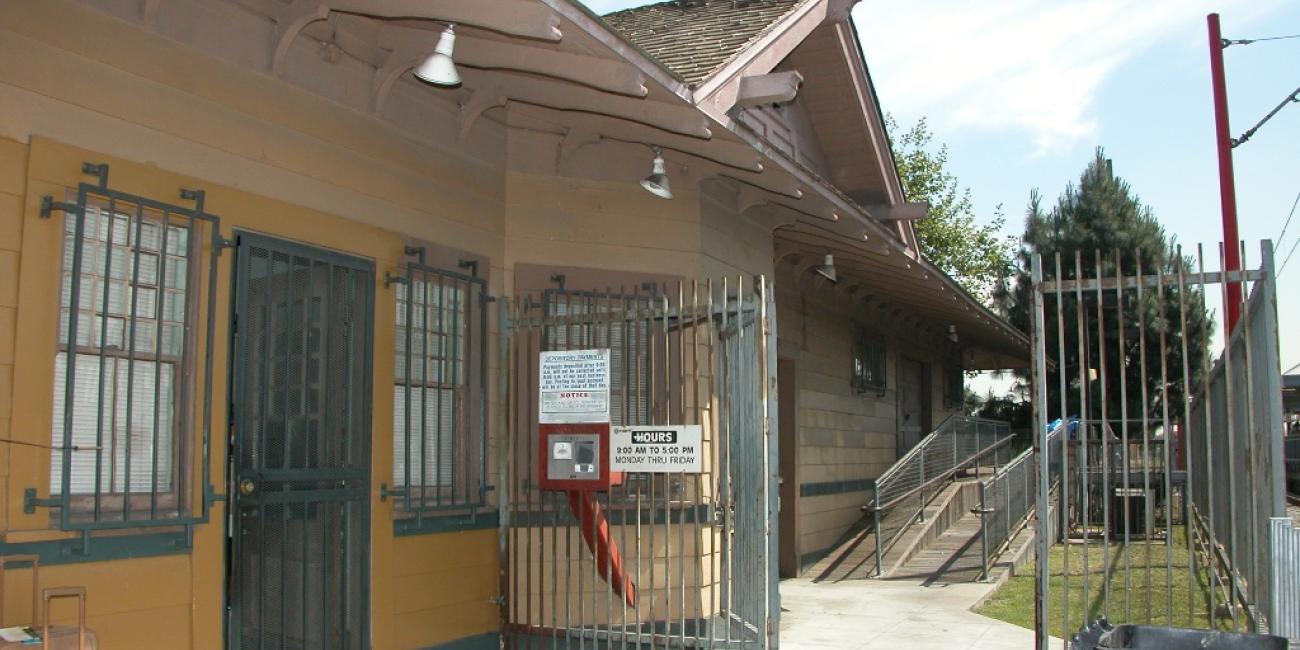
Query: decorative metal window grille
(868,370)
(127,370)
(439,391)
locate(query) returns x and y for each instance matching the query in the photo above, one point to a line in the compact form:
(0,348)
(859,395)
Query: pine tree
(1103,214)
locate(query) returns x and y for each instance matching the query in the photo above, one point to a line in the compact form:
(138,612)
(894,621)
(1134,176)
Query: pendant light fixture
(657,182)
(439,69)
(827,268)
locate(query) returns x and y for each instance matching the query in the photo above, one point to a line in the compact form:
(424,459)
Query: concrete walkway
(902,614)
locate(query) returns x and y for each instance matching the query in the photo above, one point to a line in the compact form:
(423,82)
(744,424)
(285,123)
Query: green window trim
(103,548)
(427,523)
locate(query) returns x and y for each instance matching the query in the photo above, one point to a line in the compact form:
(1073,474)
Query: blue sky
(1022,91)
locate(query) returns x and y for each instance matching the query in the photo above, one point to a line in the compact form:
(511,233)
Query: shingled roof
(696,37)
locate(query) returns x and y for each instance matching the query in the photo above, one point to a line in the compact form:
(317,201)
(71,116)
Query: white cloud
(1031,66)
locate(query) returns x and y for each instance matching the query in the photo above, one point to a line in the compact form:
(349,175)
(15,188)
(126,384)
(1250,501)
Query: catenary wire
(1288,257)
(1248,41)
(1293,98)
(1288,219)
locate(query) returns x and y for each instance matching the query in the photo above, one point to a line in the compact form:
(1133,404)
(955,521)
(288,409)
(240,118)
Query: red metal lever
(595,529)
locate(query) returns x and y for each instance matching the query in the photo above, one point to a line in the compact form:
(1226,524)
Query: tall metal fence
(1186,445)
(960,443)
(691,557)
(1234,447)
(1284,538)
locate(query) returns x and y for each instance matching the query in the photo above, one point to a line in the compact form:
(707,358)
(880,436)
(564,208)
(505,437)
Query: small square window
(868,370)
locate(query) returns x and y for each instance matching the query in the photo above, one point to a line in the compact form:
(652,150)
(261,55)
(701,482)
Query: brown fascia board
(593,25)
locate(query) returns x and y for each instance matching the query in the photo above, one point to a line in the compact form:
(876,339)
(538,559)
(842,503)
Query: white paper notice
(574,387)
(672,449)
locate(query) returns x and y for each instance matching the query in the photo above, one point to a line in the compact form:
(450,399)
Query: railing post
(984,535)
(875,513)
(920,493)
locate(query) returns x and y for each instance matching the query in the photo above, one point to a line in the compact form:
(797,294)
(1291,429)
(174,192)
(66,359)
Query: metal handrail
(1000,519)
(945,439)
(928,442)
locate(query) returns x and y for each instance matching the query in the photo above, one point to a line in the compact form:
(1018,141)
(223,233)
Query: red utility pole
(1227,184)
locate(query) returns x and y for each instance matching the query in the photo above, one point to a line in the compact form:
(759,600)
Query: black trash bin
(1101,636)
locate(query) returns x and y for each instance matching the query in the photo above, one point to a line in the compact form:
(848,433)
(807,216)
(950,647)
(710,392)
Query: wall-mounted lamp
(439,69)
(657,182)
(952,333)
(827,268)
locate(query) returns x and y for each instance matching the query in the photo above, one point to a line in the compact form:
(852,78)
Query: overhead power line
(1293,98)
(1248,41)
(1288,219)
(1288,257)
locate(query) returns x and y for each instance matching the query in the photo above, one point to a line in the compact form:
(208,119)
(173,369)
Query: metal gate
(699,550)
(300,447)
(1169,466)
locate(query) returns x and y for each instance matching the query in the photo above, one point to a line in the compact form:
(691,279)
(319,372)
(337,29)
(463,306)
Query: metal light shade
(657,182)
(827,268)
(439,69)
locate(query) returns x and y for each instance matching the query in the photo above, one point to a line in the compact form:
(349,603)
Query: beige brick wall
(842,436)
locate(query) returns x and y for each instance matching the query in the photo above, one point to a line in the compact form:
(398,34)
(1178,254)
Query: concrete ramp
(906,534)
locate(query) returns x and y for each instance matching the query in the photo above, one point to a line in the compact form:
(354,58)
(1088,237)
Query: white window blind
(131,311)
(435,383)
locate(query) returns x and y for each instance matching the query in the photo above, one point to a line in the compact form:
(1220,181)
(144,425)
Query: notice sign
(574,387)
(674,449)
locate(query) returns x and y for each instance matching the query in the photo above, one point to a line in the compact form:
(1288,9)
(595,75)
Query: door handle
(246,487)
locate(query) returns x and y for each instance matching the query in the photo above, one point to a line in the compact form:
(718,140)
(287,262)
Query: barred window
(868,365)
(438,398)
(131,318)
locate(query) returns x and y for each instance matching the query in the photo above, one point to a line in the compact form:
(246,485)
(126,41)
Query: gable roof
(694,38)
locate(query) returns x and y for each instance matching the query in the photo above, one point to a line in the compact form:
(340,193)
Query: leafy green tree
(976,255)
(1103,214)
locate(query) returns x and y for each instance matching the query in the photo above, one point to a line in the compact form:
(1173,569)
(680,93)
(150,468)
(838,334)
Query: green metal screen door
(300,451)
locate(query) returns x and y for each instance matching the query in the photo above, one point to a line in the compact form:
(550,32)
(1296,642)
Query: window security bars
(134,351)
(868,371)
(439,393)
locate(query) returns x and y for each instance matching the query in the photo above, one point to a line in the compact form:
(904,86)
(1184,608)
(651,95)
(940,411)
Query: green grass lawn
(1131,601)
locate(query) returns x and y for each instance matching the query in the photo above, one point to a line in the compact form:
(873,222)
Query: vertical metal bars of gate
(440,450)
(1176,467)
(134,366)
(699,548)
